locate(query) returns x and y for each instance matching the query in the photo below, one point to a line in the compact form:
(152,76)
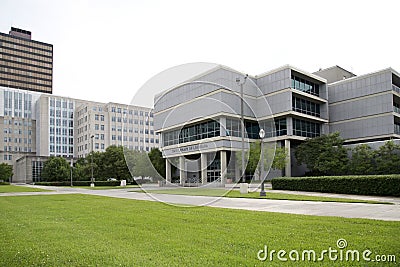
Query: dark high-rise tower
(24,63)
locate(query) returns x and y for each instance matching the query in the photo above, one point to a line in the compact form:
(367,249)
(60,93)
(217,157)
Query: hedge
(378,185)
(81,183)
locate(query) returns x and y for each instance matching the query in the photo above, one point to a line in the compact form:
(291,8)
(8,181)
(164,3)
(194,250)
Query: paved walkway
(347,210)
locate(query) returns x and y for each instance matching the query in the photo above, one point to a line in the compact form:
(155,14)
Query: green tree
(113,164)
(362,160)
(280,158)
(55,169)
(274,157)
(6,171)
(157,161)
(387,158)
(323,155)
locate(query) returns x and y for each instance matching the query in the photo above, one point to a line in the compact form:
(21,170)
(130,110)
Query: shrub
(81,183)
(378,185)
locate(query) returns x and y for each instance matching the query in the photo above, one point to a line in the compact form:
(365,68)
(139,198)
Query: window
(306,128)
(96,127)
(102,127)
(305,106)
(96,117)
(204,130)
(305,85)
(102,117)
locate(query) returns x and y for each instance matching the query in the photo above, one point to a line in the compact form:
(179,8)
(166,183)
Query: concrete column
(203,168)
(289,126)
(237,167)
(222,126)
(288,167)
(224,169)
(182,172)
(167,171)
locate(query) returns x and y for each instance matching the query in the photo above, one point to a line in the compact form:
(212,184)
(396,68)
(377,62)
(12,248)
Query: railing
(396,88)
(397,129)
(396,109)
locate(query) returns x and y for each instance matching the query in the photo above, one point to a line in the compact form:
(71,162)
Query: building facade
(24,63)
(199,122)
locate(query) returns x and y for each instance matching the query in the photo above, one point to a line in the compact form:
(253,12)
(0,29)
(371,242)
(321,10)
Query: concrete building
(35,126)
(24,63)
(366,108)
(113,124)
(199,121)
(17,124)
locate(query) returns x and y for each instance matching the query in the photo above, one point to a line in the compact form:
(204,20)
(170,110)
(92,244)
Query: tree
(157,161)
(280,158)
(387,158)
(274,157)
(362,160)
(323,155)
(55,169)
(6,171)
(113,164)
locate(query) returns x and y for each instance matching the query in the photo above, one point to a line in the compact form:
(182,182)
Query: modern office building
(24,63)
(199,121)
(17,124)
(366,108)
(101,125)
(36,126)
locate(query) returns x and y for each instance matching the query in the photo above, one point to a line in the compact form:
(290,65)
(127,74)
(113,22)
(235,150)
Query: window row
(32,62)
(61,149)
(306,107)
(63,131)
(18,140)
(26,55)
(272,128)
(306,128)
(305,86)
(195,132)
(60,122)
(21,42)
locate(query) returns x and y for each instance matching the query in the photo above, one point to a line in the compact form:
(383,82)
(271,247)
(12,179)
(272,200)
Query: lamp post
(92,180)
(241,83)
(71,166)
(262,135)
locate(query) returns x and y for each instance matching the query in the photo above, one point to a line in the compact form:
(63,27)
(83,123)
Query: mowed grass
(83,230)
(15,188)
(270,195)
(107,187)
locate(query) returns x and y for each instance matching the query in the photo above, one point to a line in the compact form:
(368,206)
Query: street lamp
(71,166)
(241,83)
(262,135)
(92,180)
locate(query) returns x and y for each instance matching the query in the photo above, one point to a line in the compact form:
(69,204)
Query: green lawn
(14,188)
(270,195)
(83,230)
(106,187)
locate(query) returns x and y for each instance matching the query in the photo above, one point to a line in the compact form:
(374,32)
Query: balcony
(396,88)
(397,129)
(396,109)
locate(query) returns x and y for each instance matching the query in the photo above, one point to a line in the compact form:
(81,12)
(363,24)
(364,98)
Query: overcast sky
(106,50)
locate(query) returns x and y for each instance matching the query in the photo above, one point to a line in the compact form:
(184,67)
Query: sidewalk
(346,210)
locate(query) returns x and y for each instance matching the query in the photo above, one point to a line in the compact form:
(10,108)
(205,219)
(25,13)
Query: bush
(82,183)
(378,185)
(4,183)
